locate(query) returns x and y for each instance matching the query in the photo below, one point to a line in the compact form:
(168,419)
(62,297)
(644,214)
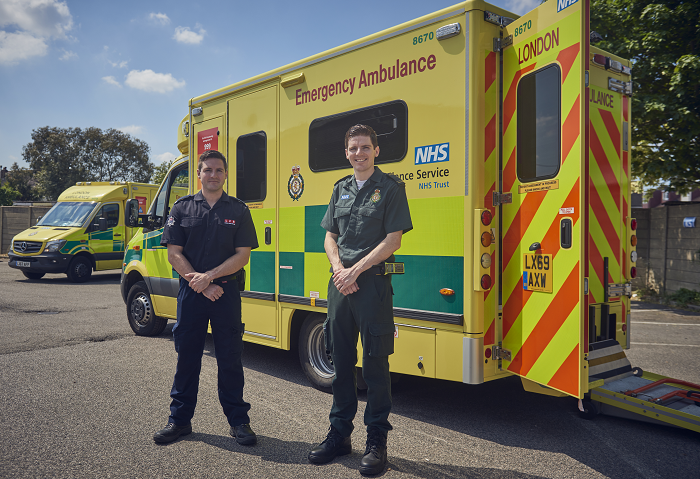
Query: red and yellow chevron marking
(490,172)
(608,210)
(543,330)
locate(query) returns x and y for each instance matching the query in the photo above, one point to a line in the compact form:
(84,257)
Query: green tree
(160,171)
(663,41)
(7,195)
(22,182)
(60,157)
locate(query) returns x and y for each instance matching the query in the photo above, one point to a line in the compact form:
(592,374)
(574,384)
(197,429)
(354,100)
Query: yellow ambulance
(82,232)
(512,138)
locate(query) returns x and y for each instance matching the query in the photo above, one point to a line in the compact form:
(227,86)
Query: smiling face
(212,174)
(361,155)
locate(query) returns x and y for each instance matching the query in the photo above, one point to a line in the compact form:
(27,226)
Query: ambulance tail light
(633,240)
(633,272)
(485,239)
(486,217)
(486,282)
(633,224)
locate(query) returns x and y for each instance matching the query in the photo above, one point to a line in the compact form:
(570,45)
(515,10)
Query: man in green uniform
(366,217)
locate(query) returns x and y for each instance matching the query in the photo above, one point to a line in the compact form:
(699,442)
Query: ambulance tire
(315,361)
(79,269)
(139,310)
(33,275)
(590,410)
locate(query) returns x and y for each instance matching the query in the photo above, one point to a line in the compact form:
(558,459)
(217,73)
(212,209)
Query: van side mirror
(131,213)
(102,222)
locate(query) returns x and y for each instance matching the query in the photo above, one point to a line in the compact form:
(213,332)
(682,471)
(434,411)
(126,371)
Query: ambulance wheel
(79,269)
(33,275)
(590,410)
(139,310)
(314,360)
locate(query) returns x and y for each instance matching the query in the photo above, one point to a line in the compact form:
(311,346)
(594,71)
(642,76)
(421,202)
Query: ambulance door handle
(535,246)
(268,235)
(566,233)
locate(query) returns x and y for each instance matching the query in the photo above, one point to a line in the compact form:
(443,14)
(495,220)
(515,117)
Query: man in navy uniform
(209,238)
(366,217)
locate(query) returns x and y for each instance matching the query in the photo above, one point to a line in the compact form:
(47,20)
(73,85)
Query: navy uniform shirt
(209,236)
(363,218)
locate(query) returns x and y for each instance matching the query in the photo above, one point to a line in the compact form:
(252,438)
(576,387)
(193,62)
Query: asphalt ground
(81,396)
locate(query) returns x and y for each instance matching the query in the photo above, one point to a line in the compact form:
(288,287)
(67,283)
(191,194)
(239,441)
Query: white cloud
(20,46)
(131,129)
(185,35)
(521,7)
(161,18)
(121,64)
(36,22)
(67,55)
(111,81)
(41,18)
(164,157)
(148,80)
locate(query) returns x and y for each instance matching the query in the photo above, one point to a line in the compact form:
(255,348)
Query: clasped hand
(345,280)
(201,283)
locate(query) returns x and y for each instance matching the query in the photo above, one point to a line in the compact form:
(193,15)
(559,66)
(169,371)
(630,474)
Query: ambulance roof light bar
(610,64)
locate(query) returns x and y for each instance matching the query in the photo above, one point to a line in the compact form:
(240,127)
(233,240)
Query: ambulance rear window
(327,135)
(251,167)
(539,124)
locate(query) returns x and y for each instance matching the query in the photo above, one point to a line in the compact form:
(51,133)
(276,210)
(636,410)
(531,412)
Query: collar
(200,197)
(375,178)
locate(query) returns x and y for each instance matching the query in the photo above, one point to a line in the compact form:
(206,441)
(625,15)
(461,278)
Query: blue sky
(134,65)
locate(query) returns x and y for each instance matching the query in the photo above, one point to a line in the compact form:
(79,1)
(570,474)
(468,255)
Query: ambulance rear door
(543,170)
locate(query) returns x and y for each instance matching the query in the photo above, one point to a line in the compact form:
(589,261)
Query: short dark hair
(361,130)
(211,154)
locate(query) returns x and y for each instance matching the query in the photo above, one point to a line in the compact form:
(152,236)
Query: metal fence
(669,252)
(15,219)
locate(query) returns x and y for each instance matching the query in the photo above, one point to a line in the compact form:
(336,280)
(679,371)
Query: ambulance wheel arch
(314,357)
(139,309)
(80,268)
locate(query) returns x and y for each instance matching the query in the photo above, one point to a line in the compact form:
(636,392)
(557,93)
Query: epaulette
(343,179)
(186,197)
(398,180)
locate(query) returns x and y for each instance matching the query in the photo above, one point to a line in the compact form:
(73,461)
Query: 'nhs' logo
(432,153)
(562,4)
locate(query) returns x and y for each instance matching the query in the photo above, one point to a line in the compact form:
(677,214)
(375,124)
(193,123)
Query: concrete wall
(15,219)
(669,254)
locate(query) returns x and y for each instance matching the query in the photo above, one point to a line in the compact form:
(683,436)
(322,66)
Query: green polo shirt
(363,218)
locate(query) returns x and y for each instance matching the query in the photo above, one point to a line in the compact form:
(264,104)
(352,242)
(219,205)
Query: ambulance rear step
(617,389)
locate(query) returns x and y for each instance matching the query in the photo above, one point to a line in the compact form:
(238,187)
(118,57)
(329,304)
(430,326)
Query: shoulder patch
(398,180)
(343,179)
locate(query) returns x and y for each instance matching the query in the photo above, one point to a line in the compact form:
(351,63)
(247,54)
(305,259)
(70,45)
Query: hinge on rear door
(501,43)
(502,198)
(500,353)
(619,86)
(620,289)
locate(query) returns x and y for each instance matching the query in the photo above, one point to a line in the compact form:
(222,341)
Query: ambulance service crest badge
(295,186)
(376,196)
(171,221)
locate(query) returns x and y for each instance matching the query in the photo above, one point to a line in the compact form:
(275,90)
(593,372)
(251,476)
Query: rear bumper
(42,263)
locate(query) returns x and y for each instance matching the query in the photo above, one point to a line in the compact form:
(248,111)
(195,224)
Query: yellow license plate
(537,272)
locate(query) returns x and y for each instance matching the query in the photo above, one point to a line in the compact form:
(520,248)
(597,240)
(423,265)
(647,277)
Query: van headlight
(53,246)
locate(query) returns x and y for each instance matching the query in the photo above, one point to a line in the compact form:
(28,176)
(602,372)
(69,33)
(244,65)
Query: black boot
(334,445)
(374,460)
(171,432)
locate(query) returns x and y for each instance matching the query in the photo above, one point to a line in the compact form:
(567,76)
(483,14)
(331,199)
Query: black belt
(238,276)
(384,269)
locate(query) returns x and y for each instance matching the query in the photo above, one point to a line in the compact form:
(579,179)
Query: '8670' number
(423,38)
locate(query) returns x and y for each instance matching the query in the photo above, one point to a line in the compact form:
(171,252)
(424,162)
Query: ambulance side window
(251,167)
(109,212)
(174,186)
(327,135)
(539,124)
